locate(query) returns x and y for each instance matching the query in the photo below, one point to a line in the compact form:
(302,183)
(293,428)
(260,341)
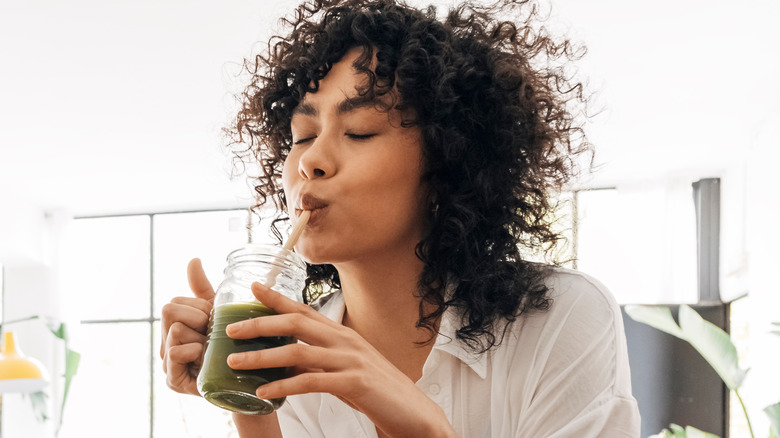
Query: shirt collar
(448,342)
(332,306)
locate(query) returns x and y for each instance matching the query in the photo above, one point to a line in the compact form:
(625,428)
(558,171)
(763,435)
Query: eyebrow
(349,104)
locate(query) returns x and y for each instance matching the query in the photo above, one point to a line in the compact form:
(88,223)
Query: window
(640,243)
(118,272)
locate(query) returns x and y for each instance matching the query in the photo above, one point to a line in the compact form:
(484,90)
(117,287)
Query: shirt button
(434,389)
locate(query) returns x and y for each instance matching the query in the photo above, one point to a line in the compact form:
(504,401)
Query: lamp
(18,373)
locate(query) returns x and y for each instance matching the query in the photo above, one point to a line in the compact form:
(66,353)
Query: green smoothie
(235,389)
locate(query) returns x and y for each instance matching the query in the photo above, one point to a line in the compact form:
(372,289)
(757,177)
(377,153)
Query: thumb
(199,283)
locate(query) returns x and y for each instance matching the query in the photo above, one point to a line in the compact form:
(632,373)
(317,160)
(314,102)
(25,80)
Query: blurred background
(113,174)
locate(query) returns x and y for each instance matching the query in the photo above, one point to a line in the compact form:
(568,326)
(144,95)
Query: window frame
(151,319)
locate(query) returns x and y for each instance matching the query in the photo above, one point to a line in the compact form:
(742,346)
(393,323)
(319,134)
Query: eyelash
(360,136)
(303,140)
(357,137)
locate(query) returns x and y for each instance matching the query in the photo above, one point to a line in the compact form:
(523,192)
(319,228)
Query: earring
(434,207)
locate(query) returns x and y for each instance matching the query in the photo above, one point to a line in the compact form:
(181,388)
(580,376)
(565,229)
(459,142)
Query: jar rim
(251,250)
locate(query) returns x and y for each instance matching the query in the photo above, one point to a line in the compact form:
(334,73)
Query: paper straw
(294,235)
(297,229)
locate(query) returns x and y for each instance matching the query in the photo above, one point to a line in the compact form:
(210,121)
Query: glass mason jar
(234,390)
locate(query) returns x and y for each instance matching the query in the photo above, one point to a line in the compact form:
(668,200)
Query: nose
(317,161)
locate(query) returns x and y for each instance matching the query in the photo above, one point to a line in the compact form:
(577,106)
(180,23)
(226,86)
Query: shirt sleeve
(290,423)
(579,383)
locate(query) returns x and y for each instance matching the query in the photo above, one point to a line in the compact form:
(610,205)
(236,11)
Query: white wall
(762,385)
(22,232)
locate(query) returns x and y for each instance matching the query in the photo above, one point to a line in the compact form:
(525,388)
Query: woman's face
(357,170)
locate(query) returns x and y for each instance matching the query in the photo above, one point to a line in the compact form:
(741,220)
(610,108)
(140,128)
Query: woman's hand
(337,360)
(184,324)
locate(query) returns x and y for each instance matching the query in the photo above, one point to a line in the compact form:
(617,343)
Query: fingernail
(233,329)
(234,359)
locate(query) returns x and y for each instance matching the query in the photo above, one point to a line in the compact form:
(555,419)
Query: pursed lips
(312,203)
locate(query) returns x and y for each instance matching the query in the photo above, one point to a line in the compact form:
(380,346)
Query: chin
(312,254)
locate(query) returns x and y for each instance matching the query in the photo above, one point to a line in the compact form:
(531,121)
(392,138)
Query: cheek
(289,168)
(405,191)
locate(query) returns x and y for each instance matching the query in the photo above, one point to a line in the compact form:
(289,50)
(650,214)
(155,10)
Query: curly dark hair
(495,106)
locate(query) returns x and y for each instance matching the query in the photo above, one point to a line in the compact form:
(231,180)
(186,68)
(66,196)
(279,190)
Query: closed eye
(360,136)
(304,140)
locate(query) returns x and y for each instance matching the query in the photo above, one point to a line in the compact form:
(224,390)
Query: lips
(316,205)
(311,202)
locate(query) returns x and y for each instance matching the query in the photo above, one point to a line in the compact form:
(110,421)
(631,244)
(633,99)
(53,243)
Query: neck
(382,305)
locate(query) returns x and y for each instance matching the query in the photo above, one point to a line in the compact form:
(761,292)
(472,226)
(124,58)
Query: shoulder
(574,293)
(581,335)
(582,310)
(573,362)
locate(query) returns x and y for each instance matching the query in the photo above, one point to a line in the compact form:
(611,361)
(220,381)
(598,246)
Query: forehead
(344,82)
(310,106)
(344,90)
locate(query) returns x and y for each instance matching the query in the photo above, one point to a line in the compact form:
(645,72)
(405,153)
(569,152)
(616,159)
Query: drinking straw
(297,229)
(294,235)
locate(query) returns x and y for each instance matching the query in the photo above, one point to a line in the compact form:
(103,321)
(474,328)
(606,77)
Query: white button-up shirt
(558,373)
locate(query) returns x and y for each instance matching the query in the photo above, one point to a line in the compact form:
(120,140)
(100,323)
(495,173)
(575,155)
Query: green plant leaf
(72,360)
(38,401)
(714,345)
(709,340)
(56,327)
(680,432)
(666,433)
(773,412)
(776,324)
(692,432)
(657,317)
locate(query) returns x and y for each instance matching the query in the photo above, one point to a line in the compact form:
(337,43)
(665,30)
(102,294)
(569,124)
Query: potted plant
(716,347)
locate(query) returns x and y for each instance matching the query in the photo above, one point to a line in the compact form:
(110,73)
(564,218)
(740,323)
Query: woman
(426,150)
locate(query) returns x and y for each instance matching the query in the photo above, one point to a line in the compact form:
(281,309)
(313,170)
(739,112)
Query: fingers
(274,299)
(299,326)
(306,383)
(305,363)
(294,319)
(199,283)
(183,352)
(178,373)
(192,312)
(180,334)
(301,356)
(198,303)
(177,310)
(282,304)
(184,325)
